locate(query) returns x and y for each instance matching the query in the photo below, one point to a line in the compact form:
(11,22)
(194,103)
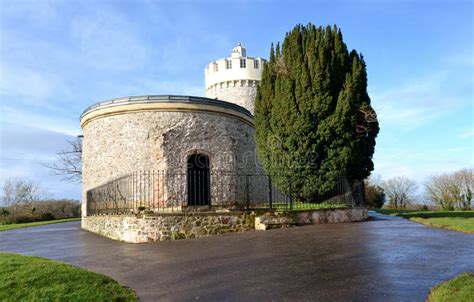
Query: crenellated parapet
(234,79)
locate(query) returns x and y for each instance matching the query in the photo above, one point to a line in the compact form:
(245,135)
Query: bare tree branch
(18,193)
(68,163)
(400,191)
(369,117)
(451,191)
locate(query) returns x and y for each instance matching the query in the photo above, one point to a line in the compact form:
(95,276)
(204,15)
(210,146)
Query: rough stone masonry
(171,226)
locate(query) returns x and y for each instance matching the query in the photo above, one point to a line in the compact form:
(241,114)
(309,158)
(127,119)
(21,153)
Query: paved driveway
(383,259)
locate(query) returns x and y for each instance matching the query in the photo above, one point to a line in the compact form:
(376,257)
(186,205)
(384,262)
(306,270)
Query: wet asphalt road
(383,259)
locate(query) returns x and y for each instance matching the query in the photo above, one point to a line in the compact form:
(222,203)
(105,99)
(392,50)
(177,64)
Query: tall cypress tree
(313,116)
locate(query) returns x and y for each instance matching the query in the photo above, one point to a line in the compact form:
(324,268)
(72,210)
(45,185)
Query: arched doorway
(198,180)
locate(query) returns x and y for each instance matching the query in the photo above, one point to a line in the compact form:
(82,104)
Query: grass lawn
(459,289)
(7,227)
(461,224)
(462,221)
(394,212)
(25,278)
(307,206)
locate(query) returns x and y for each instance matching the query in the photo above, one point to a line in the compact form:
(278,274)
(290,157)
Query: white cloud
(169,87)
(406,118)
(29,83)
(44,121)
(107,40)
(467,134)
(421,164)
(146,86)
(39,13)
(184,51)
(24,149)
(417,102)
(466,60)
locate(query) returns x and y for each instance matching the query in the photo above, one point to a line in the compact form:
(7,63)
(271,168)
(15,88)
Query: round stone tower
(234,79)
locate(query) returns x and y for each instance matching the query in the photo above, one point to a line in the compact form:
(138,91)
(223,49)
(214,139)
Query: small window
(216,67)
(255,64)
(243,63)
(228,64)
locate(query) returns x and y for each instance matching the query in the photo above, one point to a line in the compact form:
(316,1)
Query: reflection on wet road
(383,259)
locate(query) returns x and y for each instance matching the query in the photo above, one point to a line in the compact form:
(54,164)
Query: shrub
(4,212)
(47,216)
(374,196)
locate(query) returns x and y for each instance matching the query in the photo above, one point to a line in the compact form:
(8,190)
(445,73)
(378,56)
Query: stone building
(196,139)
(161,167)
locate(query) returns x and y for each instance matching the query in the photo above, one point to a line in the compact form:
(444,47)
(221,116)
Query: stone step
(265,222)
(280,225)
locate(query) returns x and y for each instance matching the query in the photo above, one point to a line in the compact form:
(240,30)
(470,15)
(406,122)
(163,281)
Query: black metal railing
(161,191)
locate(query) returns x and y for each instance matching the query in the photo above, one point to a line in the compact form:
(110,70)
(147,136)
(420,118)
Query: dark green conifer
(313,116)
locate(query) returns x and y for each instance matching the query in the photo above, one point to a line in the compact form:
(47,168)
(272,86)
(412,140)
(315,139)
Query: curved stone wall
(122,139)
(242,93)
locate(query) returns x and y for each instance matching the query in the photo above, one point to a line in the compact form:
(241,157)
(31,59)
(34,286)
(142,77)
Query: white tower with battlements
(234,79)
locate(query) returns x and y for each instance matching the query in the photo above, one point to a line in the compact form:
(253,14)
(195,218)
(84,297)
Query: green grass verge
(459,289)
(462,221)
(301,206)
(7,227)
(26,278)
(438,214)
(460,224)
(394,212)
(425,214)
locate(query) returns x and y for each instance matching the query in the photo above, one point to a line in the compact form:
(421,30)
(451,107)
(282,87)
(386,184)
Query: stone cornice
(165,103)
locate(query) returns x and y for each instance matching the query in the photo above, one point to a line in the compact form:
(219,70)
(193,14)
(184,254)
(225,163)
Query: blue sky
(58,57)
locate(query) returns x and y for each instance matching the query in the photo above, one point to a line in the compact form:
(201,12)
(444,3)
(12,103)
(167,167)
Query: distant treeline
(447,191)
(40,211)
(25,201)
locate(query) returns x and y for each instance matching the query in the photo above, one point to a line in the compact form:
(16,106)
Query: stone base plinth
(274,220)
(167,226)
(171,226)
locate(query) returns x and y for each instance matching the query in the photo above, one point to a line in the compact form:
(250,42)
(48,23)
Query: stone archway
(198,180)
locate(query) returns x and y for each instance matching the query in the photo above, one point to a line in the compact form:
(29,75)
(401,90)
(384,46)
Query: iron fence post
(362,194)
(270,195)
(247,193)
(291,193)
(115,197)
(88,200)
